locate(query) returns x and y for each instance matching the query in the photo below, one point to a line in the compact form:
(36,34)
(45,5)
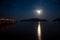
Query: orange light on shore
(7,20)
(2,19)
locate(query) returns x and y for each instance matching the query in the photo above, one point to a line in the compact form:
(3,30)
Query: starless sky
(21,9)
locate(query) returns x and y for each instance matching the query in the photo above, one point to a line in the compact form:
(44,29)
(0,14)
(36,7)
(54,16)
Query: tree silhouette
(33,19)
(56,20)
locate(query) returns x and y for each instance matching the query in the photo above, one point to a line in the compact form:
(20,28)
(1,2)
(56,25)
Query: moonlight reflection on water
(39,31)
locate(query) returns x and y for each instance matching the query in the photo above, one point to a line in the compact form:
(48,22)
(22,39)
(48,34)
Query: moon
(38,11)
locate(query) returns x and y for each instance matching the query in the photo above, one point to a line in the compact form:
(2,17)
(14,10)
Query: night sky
(23,9)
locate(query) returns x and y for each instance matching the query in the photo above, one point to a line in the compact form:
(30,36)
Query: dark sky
(21,9)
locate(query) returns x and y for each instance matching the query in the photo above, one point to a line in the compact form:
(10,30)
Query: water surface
(31,31)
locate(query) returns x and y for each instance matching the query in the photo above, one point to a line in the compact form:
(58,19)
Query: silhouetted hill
(33,19)
(56,20)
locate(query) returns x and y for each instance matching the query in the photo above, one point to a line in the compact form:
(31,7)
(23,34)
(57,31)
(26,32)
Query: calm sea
(31,31)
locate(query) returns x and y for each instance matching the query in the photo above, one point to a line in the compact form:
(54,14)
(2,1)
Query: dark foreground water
(28,31)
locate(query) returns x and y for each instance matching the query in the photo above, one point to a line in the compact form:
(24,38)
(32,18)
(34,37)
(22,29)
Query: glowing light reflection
(39,31)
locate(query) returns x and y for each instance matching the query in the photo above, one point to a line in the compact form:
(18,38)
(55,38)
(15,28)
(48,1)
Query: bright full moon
(38,11)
